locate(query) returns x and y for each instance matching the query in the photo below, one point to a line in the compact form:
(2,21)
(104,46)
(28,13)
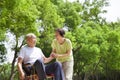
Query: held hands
(54,55)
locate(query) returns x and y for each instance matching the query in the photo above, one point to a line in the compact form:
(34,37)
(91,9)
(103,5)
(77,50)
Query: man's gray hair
(30,35)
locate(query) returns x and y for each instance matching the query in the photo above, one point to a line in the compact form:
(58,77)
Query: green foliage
(18,16)
(70,12)
(5,72)
(99,48)
(96,43)
(2,53)
(92,10)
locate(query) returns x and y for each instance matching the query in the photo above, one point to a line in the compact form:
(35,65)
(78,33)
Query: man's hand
(22,76)
(20,70)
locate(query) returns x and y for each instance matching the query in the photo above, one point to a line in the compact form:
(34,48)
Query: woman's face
(31,41)
(57,35)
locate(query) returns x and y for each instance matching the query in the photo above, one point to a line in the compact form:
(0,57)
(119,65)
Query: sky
(113,12)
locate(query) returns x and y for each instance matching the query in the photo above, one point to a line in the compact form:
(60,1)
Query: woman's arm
(54,54)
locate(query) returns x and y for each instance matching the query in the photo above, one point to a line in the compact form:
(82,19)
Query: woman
(62,51)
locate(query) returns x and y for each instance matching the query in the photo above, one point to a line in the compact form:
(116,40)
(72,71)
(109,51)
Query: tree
(18,17)
(92,10)
(70,12)
(2,46)
(48,21)
(2,53)
(95,42)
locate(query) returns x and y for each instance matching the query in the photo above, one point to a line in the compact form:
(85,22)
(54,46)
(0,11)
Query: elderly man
(31,55)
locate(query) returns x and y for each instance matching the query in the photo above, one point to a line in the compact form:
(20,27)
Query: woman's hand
(54,55)
(51,56)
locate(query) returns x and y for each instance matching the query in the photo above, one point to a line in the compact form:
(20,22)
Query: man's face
(31,41)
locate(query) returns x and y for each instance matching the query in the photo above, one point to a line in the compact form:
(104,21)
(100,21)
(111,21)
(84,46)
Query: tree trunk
(87,74)
(13,66)
(12,73)
(14,60)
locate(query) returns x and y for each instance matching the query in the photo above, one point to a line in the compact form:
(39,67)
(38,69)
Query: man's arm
(47,60)
(19,65)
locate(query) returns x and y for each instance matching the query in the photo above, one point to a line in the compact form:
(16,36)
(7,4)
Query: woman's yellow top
(62,49)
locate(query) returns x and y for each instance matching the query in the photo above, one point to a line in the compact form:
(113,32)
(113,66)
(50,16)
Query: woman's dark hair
(60,31)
